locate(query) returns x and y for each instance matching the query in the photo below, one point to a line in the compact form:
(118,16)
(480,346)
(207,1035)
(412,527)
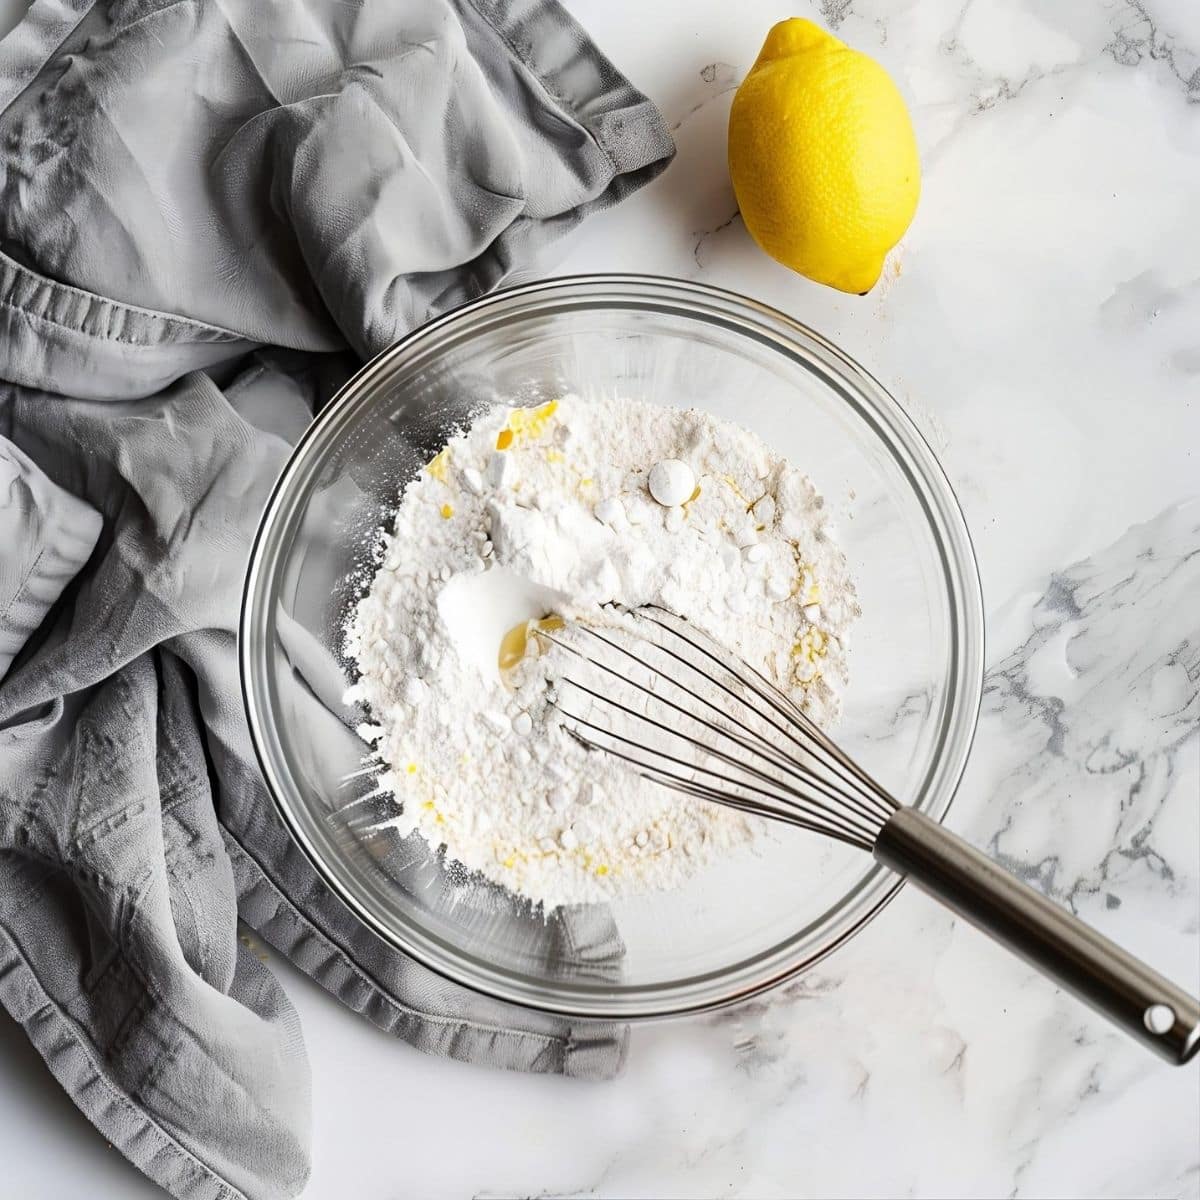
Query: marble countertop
(1041,324)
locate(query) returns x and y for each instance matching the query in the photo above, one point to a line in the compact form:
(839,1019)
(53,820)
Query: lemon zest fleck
(531,422)
(528,424)
(812,645)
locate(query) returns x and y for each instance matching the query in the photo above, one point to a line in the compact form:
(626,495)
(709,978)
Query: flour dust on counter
(536,516)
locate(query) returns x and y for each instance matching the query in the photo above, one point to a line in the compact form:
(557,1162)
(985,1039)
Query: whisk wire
(722,785)
(795,796)
(717,730)
(701,791)
(786,763)
(867,789)
(783,762)
(765,746)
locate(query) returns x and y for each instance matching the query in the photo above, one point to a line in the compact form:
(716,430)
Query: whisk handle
(1147,1006)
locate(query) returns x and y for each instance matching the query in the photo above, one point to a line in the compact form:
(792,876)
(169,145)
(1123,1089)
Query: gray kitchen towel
(210,212)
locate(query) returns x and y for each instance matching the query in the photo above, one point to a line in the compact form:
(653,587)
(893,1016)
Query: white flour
(544,511)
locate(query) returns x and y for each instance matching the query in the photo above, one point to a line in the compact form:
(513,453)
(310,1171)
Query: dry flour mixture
(549,512)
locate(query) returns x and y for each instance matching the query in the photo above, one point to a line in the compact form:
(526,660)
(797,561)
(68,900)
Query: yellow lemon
(823,157)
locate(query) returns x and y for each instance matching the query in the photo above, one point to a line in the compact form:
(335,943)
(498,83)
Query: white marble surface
(1043,328)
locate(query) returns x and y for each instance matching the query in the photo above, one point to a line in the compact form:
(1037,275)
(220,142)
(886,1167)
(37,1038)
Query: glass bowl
(738,926)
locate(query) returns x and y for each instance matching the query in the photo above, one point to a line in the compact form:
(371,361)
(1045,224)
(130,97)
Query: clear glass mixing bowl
(740,925)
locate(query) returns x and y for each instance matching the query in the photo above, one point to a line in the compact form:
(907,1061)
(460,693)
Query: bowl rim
(925,475)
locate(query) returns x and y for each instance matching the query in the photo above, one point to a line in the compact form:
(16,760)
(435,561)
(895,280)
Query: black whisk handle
(1147,1006)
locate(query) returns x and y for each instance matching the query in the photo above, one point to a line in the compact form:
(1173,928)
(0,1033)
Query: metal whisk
(680,709)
